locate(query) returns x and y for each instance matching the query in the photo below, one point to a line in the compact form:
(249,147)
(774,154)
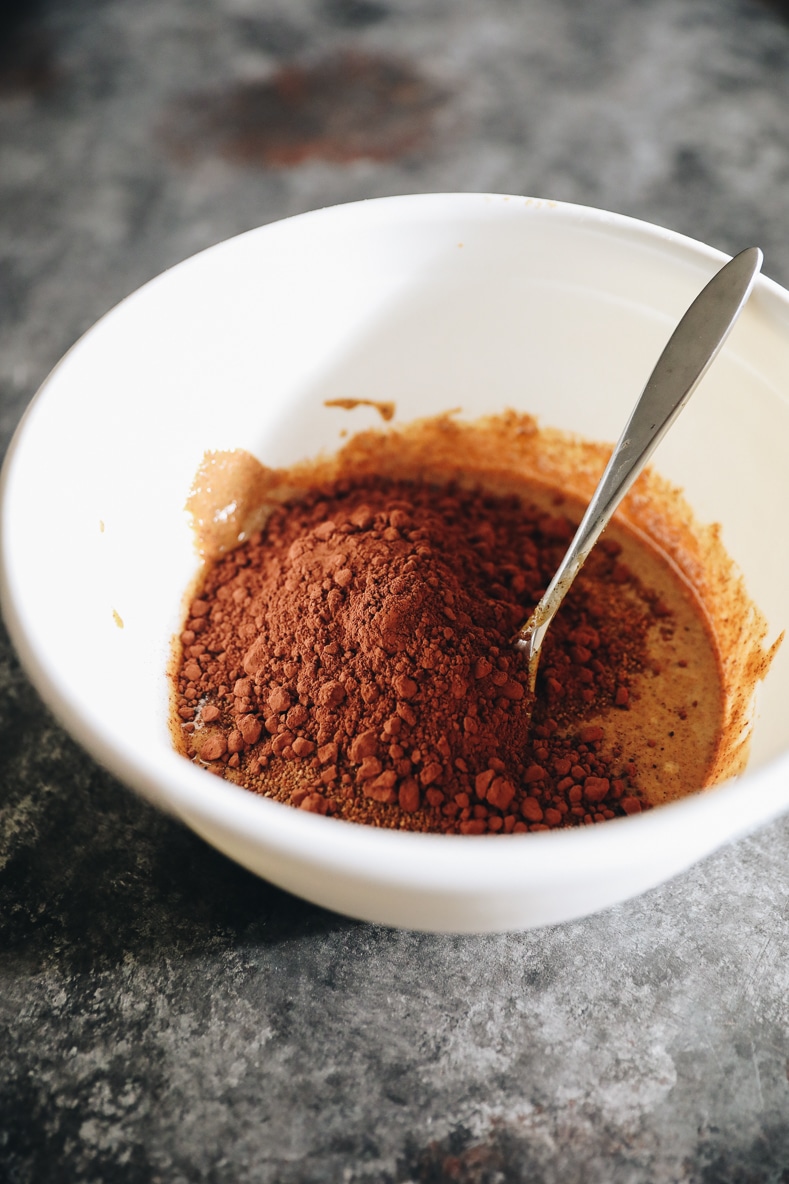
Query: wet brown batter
(680,724)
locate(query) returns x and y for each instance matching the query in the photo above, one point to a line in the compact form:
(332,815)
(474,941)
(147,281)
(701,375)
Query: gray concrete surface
(164,1016)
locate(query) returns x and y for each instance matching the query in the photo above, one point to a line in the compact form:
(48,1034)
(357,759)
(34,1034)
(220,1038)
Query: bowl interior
(433,302)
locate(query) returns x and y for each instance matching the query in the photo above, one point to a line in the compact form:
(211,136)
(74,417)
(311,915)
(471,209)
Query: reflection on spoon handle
(691,348)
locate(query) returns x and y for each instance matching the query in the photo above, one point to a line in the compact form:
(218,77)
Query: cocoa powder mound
(354,659)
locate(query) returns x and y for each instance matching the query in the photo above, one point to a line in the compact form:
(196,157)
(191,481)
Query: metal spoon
(691,348)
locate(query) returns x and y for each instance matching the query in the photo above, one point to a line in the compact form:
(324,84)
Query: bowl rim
(705,818)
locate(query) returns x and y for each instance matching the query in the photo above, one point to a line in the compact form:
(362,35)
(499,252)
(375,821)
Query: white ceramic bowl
(433,301)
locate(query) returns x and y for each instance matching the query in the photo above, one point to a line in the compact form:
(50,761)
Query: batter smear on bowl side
(347,648)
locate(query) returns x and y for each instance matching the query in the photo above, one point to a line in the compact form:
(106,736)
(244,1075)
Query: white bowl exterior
(434,301)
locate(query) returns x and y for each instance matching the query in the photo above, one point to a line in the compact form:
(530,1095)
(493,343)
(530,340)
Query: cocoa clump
(354,659)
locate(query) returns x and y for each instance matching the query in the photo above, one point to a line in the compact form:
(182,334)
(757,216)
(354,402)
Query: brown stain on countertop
(342,107)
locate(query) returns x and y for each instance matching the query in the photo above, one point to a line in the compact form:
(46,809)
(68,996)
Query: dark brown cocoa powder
(353,658)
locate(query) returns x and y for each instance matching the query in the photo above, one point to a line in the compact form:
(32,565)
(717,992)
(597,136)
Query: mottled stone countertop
(165,1016)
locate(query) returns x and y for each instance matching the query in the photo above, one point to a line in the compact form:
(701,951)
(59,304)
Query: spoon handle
(691,348)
